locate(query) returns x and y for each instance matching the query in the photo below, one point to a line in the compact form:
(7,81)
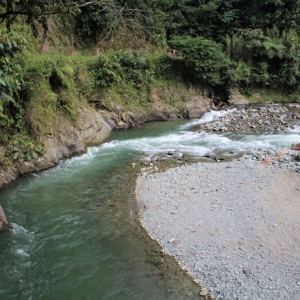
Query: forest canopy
(223,44)
(259,38)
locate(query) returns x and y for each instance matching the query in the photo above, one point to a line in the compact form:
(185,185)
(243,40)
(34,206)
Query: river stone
(2,216)
(284,159)
(271,152)
(296,146)
(203,292)
(3,221)
(247,271)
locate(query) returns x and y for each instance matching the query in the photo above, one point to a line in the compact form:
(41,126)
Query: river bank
(86,206)
(93,124)
(234,226)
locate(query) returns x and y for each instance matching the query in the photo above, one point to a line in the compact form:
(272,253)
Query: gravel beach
(234,226)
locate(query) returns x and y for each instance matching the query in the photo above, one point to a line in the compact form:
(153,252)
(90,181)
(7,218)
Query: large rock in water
(3,221)
(296,146)
(196,106)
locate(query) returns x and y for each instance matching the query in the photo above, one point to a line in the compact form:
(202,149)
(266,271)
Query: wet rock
(196,106)
(195,114)
(64,140)
(159,116)
(3,221)
(296,146)
(178,155)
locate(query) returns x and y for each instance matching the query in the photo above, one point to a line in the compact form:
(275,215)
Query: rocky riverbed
(234,226)
(257,119)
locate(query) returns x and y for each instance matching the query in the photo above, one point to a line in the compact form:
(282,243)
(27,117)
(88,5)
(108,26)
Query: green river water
(67,242)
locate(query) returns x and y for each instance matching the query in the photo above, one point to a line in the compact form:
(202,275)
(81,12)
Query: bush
(204,58)
(133,68)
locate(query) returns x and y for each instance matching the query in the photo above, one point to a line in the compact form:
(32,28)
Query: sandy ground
(234,226)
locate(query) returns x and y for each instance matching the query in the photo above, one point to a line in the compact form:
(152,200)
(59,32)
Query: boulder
(3,221)
(160,116)
(67,139)
(296,146)
(195,113)
(196,106)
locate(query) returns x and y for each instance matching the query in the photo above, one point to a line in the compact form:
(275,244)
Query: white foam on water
(267,140)
(201,143)
(296,129)
(84,158)
(21,252)
(185,141)
(20,230)
(208,117)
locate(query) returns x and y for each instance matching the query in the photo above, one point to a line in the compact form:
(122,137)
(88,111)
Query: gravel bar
(234,226)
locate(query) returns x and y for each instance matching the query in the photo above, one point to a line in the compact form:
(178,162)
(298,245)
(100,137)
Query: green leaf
(2,82)
(35,155)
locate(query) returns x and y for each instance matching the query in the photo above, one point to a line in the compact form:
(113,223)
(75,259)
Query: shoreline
(234,234)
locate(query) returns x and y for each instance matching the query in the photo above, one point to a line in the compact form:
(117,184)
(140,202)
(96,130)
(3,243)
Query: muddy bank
(234,226)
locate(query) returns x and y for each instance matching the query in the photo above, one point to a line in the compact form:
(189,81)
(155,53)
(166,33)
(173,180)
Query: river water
(75,234)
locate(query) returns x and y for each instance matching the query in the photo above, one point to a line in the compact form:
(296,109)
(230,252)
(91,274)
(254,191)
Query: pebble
(237,261)
(247,271)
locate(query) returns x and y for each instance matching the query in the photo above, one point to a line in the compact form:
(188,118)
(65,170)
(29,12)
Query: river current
(75,234)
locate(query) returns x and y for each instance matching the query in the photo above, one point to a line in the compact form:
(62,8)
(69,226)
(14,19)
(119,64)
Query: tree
(36,11)
(204,57)
(10,74)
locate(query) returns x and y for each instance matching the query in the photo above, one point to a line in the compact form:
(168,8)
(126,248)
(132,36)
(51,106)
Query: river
(75,234)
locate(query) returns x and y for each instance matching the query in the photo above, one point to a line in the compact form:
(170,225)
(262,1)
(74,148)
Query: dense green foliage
(226,43)
(21,148)
(11,81)
(204,58)
(258,38)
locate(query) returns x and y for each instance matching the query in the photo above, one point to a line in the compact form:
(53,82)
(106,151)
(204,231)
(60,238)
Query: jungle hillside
(58,55)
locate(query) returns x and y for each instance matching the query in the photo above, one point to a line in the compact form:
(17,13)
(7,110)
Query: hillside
(137,61)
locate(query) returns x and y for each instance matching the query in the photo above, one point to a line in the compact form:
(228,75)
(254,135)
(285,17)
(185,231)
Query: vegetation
(11,81)
(139,43)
